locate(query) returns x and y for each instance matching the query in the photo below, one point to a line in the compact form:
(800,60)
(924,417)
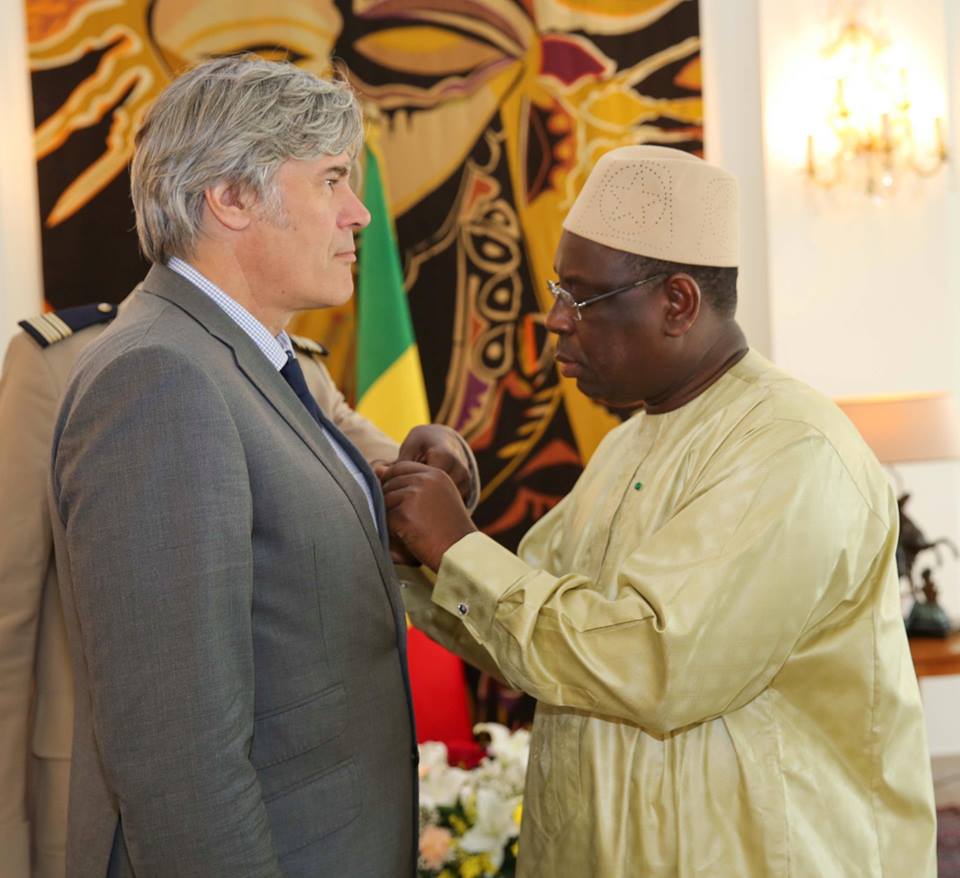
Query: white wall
(863,296)
(860,300)
(855,298)
(20,275)
(733,124)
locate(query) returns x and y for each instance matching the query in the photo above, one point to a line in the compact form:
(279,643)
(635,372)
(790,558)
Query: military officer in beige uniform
(36,686)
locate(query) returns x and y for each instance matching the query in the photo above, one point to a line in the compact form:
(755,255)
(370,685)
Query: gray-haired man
(242,701)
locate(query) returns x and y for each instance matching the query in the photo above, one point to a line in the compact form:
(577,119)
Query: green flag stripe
(384,329)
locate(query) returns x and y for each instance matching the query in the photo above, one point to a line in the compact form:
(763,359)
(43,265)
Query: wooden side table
(936,656)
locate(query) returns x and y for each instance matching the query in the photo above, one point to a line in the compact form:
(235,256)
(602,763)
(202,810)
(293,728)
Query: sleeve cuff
(474,575)
(416,584)
(471,462)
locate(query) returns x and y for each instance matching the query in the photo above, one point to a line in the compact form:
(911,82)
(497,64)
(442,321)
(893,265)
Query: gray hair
(233,120)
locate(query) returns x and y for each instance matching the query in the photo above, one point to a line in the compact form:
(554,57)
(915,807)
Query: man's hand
(439,446)
(424,510)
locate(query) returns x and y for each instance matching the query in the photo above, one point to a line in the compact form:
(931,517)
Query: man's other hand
(439,446)
(424,509)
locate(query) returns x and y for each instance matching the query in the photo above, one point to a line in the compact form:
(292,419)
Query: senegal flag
(390,388)
(391,394)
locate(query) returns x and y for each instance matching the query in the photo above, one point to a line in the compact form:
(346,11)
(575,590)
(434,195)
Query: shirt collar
(277,349)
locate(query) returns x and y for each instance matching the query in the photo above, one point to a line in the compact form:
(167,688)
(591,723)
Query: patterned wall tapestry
(489,115)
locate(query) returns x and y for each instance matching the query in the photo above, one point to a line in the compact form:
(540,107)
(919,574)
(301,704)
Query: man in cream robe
(711,619)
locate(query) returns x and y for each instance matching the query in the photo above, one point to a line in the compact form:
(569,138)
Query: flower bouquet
(470,820)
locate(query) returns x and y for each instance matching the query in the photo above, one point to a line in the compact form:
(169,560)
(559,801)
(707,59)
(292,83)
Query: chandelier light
(868,137)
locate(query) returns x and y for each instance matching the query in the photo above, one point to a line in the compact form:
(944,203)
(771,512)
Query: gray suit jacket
(242,705)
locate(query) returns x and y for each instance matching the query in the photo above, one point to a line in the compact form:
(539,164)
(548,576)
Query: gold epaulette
(48,329)
(308,345)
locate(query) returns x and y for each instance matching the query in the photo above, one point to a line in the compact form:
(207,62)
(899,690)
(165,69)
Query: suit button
(463,609)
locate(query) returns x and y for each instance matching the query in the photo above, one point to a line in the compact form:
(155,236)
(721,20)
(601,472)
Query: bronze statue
(927,618)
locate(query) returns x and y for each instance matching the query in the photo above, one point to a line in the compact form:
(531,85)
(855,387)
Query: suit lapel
(373,483)
(166,283)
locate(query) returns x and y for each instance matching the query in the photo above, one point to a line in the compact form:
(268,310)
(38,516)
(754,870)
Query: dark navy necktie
(293,375)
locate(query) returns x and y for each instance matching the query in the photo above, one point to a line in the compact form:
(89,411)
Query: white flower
(433,754)
(439,783)
(490,796)
(494,827)
(506,768)
(506,746)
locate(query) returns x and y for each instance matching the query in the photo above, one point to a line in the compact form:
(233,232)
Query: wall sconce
(869,137)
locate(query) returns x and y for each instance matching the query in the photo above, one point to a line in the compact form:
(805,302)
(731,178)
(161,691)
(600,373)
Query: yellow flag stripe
(397,401)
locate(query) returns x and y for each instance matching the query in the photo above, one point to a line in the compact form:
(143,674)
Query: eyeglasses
(565,298)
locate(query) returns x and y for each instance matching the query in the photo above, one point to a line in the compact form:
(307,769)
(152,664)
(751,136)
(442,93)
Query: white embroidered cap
(661,203)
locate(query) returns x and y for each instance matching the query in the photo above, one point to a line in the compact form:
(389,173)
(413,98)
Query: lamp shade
(915,427)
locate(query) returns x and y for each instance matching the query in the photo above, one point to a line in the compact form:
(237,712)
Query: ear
(683,300)
(230,206)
